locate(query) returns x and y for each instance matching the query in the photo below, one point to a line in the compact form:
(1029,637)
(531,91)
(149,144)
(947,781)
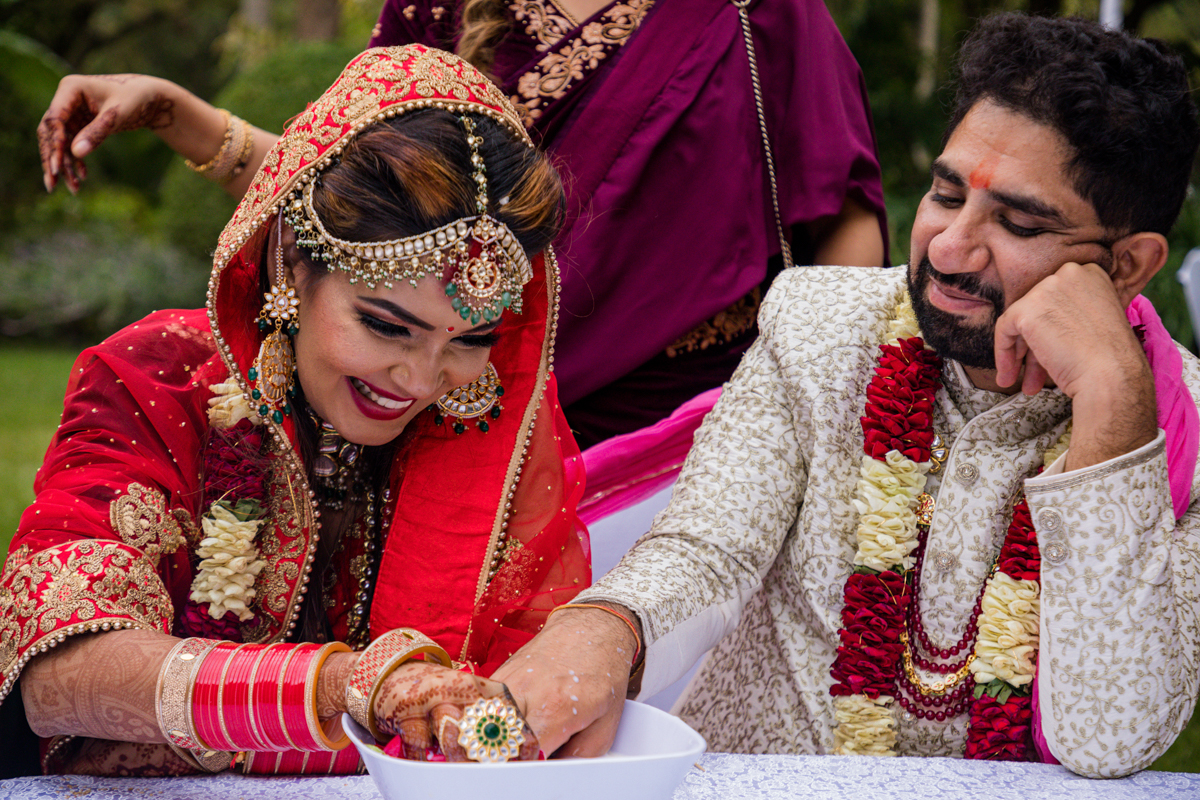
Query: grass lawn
(32,381)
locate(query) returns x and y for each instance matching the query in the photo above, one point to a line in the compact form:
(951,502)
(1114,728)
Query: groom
(866,533)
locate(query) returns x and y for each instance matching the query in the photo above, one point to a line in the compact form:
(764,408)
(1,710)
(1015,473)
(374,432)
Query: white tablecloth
(719,777)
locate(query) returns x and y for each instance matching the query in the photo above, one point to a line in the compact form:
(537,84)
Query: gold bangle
(230,160)
(173,702)
(378,661)
(174,689)
(310,706)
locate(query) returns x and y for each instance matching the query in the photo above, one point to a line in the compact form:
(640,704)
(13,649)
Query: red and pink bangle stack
(245,697)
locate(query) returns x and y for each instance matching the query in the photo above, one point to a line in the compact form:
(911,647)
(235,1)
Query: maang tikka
(273,374)
(487,264)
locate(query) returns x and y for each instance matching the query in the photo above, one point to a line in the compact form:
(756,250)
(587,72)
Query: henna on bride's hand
(105,758)
(423,703)
(413,694)
(51,137)
(77,693)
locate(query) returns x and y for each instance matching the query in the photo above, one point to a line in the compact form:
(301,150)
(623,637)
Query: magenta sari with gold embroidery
(649,110)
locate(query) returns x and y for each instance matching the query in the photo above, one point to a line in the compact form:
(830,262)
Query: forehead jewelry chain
(486,264)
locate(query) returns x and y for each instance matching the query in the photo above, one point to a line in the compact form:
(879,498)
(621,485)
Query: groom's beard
(949,335)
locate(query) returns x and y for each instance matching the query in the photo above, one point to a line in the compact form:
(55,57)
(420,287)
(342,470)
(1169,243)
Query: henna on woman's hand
(422,703)
(126,760)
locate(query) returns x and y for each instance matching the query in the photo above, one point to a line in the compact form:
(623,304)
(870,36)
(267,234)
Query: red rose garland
(235,502)
(897,436)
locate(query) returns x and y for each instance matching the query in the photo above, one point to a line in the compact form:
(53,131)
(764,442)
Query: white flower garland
(229,557)
(230,565)
(1007,643)
(228,406)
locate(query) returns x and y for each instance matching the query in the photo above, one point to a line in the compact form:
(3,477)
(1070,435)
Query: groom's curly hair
(1122,103)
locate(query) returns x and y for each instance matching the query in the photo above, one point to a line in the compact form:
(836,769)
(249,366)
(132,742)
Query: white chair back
(1189,276)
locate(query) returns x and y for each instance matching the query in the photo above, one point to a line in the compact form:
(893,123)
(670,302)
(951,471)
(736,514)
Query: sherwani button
(966,474)
(1055,553)
(1049,520)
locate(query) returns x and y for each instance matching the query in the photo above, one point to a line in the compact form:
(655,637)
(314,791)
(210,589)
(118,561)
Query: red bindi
(450,330)
(981,177)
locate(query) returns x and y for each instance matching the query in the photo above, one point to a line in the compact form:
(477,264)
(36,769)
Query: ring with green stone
(491,730)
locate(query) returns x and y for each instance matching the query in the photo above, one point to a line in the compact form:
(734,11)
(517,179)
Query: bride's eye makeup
(382,328)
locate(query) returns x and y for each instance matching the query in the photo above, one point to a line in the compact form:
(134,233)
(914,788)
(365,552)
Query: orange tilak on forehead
(981,176)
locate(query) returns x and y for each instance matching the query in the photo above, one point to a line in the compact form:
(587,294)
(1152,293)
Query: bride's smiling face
(370,360)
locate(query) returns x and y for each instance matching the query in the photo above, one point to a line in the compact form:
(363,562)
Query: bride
(345,485)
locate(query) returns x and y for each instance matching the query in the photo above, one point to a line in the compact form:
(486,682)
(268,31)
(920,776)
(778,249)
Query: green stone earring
(478,400)
(273,376)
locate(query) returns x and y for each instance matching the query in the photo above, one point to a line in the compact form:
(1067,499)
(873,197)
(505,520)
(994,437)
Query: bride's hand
(423,703)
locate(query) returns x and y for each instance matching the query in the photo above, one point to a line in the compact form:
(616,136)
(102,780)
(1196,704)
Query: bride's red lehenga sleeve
(104,544)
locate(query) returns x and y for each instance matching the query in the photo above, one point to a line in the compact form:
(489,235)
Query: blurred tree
(194,211)
(317,20)
(29,72)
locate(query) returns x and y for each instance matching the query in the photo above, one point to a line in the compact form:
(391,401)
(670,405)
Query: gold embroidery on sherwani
(569,59)
(142,519)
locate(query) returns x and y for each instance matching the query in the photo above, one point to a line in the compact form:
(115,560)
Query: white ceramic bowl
(651,754)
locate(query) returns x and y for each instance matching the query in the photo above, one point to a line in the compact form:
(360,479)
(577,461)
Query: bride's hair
(413,173)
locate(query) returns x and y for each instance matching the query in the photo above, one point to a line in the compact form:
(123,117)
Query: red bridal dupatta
(481,534)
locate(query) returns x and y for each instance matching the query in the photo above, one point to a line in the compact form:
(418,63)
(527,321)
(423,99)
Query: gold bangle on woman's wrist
(172,704)
(236,148)
(378,661)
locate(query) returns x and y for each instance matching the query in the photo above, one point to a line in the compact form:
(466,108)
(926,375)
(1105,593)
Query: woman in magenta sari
(649,108)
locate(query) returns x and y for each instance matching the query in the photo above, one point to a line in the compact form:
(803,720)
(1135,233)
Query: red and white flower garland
(897,438)
(235,489)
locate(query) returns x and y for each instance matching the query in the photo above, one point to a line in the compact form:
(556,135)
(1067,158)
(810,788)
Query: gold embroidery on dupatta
(499,537)
(517,567)
(722,328)
(287,543)
(141,518)
(572,57)
(372,91)
(79,587)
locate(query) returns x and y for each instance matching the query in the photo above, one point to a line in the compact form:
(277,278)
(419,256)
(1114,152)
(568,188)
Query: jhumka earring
(479,399)
(274,372)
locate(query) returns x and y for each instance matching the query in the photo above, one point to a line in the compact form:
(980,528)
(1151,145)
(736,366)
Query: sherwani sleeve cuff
(1112,652)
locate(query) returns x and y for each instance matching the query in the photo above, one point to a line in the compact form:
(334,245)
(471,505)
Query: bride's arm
(102,685)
